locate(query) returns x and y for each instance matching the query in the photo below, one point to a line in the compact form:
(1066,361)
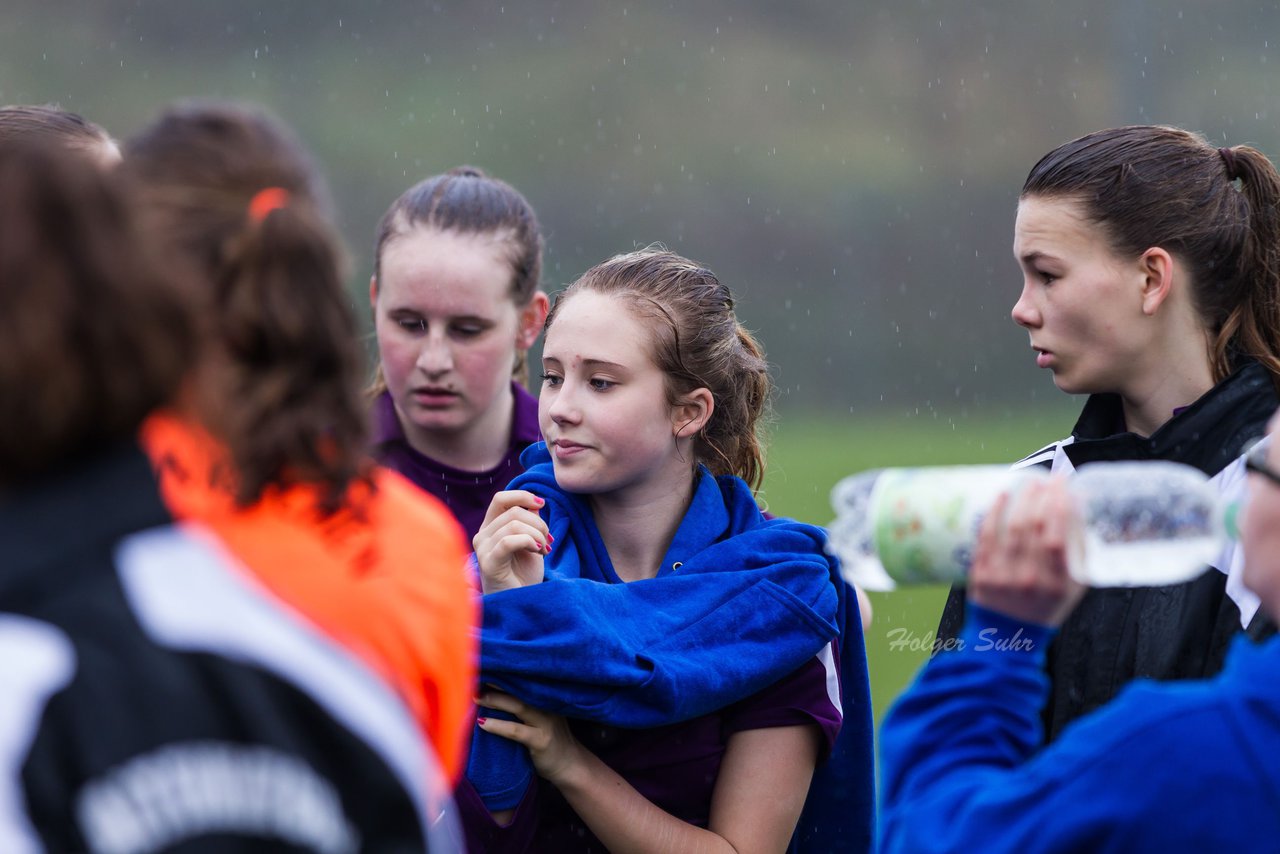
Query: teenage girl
(271,448)
(1151,282)
(456,304)
(632,583)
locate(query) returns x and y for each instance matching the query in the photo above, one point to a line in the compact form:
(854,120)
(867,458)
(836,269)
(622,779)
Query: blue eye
(601,385)
(551,380)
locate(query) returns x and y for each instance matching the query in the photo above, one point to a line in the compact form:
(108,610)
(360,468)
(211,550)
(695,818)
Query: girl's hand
(552,747)
(510,544)
(1020,564)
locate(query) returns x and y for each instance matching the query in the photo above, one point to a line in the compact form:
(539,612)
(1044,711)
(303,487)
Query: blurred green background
(851,170)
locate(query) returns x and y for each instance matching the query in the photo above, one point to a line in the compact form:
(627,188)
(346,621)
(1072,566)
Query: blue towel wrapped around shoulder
(739,602)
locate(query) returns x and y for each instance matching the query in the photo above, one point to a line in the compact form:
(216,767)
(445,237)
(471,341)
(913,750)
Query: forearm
(623,819)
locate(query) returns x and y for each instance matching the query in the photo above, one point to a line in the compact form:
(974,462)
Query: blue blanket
(739,602)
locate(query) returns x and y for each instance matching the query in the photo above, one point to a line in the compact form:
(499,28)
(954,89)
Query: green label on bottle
(925,521)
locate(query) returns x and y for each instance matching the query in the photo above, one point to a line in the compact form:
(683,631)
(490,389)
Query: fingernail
(481,721)
(539,500)
(551,538)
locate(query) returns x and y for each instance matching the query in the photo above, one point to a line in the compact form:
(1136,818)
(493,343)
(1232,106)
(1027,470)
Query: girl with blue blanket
(665,659)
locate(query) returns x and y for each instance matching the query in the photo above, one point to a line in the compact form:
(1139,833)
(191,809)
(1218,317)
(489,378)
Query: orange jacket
(389,582)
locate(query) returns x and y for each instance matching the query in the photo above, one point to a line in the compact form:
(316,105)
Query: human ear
(373,293)
(693,412)
(532,318)
(1157,269)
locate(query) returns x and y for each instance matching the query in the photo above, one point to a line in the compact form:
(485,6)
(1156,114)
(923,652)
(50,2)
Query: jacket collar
(1208,434)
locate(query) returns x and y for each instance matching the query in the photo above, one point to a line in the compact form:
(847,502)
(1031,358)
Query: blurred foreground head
(91,339)
(238,212)
(45,125)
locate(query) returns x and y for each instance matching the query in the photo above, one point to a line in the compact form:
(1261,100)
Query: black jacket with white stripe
(154,698)
(1177,632)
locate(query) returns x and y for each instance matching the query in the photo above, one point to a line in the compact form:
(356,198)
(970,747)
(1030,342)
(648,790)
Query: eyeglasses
(1255,459)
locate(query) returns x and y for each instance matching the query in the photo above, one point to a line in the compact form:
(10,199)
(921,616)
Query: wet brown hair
(91,337)
(1218,210)
(285,391)
(465,200)
(47,124)
(698,343)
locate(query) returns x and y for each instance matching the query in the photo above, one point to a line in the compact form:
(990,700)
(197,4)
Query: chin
(572,481)
(440,420)
(1071,385)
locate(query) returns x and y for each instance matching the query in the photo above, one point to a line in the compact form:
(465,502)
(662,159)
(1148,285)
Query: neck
(1148,406)
(479,446)
(637,528)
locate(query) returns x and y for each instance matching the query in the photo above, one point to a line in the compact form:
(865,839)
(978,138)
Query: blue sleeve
(962,767)
(972,716)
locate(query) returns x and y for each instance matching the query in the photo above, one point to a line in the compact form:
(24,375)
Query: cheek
(485,364)
(397,357)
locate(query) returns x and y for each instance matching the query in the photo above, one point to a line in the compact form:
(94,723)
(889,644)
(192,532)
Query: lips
(564,449)
(431,396)
(1043,357)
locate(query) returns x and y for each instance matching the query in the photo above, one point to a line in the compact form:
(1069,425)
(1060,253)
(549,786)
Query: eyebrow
(466,318)
(1032,257)
(590,363)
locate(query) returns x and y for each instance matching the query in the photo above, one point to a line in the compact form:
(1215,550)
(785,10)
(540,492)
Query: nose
(1024,312)
(562,406)
(435,357)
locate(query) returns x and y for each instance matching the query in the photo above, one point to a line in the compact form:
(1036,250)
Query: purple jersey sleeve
(809,695)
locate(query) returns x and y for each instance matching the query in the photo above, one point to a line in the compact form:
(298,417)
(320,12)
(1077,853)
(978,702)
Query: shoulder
(36,661)
(1044,456)
(406,509)
(1148,727)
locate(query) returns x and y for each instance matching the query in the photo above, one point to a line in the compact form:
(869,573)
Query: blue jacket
(1188,766)
(739,602)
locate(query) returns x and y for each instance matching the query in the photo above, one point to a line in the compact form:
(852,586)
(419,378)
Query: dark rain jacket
(1181,631)
(154,698)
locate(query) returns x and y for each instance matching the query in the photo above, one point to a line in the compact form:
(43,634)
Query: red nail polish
(481,721)
(540,501)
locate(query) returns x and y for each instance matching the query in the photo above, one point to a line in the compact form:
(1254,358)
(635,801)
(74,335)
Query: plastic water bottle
(1145,523)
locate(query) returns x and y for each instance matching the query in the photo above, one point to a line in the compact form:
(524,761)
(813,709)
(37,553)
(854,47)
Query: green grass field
(808,455)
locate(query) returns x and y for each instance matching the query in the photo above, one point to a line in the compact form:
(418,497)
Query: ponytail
(730,442)
(282,318)
(1251,327)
